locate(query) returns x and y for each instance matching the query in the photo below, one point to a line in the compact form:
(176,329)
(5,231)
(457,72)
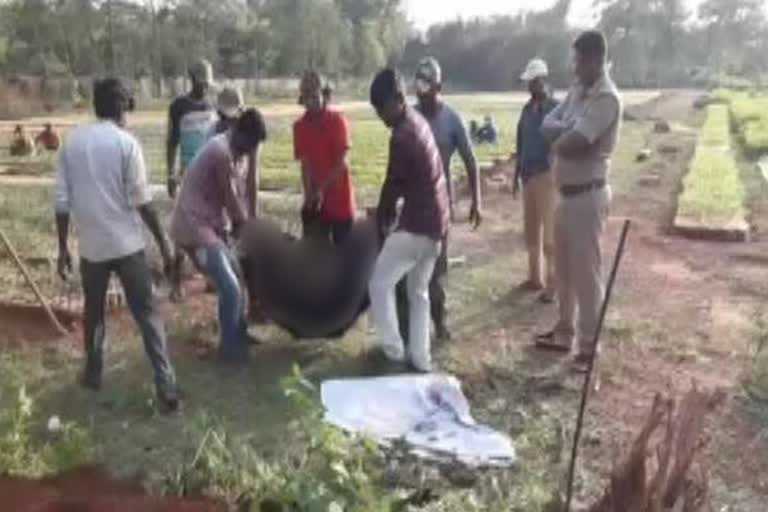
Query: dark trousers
(437,295)
(134,274)
(336,232)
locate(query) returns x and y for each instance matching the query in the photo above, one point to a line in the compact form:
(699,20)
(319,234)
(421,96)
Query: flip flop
(545,298)
(580,363)
(530,286)
(547,342)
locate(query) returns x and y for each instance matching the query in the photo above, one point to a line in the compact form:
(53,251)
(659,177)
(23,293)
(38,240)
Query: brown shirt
(596,114)
(415,173)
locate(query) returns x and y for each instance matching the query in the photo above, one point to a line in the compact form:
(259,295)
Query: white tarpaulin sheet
(429,413)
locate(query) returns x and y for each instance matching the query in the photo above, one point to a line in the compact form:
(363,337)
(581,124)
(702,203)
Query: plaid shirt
(415,173)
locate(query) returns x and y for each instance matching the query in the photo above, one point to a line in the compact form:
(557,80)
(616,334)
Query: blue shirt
(451,135)
(533,149)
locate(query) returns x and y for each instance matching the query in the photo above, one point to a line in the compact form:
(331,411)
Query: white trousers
(414,256)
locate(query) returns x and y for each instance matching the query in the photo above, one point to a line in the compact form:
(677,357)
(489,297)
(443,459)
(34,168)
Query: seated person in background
(48,139)
(487,134)
(213,190)
(21,143)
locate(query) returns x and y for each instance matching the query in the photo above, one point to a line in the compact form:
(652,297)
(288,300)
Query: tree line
(656,43)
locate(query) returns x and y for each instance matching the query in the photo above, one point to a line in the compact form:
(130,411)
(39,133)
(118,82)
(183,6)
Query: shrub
(22,453)
(749,119)
(713,192)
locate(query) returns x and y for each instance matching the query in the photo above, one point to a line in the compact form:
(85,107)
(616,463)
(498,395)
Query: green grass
(713,191)
(26,217)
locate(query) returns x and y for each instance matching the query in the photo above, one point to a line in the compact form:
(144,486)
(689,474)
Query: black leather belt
(581,188)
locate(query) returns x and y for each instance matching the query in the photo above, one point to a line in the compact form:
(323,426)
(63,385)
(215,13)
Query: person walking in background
(48,139)
(451,136)
(584,130)
(415,175)
(191,118)
(321,143)
(101,180)
(209,194)
(539,194)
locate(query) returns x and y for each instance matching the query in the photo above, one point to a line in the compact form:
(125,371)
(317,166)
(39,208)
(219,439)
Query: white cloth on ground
(430,413)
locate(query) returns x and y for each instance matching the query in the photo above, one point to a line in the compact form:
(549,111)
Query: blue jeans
(222,268)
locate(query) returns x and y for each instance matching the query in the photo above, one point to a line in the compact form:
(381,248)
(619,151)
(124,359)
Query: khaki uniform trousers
(539,201)
(579,225)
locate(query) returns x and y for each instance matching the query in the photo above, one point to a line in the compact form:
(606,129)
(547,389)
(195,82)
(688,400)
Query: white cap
(537,68)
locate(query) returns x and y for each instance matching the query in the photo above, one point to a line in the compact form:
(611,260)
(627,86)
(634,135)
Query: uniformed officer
(584,131)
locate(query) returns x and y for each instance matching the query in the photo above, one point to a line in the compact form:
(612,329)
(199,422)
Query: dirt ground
(683,312)
(30,325)
(89,490)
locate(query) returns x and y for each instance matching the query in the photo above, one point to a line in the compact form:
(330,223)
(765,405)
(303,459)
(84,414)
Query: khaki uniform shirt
(595,113)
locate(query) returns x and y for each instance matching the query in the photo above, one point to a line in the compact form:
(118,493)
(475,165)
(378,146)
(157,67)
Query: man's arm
(150,217)
(140,197)
(391,189)
(341,144)
(337,171)
(306,172)
(473,175)
(224,181)
(554,124)
(252,182)
(62,209)
(518,147)
(600,116)
(172,149)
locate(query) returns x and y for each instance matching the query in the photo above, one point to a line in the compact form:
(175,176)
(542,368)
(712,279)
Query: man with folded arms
(584,131)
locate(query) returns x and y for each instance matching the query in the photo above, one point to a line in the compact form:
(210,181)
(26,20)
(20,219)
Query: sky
(427,12)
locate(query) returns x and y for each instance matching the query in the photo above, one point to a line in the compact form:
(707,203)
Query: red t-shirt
(321,143)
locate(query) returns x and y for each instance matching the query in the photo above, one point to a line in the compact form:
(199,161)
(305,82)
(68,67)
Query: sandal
(580,363)
(548,341)
(545,298)
(530,286)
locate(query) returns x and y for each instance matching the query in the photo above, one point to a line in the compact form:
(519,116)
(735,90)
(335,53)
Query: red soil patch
(29,324)
(89,490)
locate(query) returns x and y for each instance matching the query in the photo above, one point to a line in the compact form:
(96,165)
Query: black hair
(387,85)
(251,124)
(591,43)
(111,98)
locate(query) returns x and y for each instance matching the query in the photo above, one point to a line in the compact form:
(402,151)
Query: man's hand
(64,263)
(165,254)
(237,228)
(173,184)
(475,216)
(315,200)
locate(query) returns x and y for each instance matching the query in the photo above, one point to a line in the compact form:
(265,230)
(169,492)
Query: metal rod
(20,264)
(591,364)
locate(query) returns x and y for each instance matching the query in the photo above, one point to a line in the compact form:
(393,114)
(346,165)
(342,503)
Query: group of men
(23,145)
(563,158)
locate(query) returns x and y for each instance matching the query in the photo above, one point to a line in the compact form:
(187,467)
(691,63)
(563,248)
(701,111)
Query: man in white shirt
(102,182)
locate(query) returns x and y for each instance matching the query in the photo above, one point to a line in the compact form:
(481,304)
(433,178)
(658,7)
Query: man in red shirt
(48,139)
(321,143)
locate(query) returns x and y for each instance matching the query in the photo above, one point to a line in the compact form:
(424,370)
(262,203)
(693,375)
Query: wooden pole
(591,365)
(20,264)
